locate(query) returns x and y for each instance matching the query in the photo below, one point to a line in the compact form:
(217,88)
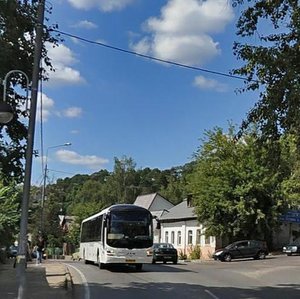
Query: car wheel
(261,255)
(288,254)
(227,257)
(164,262)
(175,262)
(153,261)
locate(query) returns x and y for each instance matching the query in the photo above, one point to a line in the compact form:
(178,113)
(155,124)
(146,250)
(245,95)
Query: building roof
(158,214)
(145,201)
(179,212)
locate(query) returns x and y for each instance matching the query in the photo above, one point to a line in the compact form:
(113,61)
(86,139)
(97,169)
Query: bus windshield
(129,229)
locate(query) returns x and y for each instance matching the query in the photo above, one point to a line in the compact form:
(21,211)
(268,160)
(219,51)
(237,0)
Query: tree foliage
(17,34)
(9,213)
(235,192)
(291,182)
(271,33)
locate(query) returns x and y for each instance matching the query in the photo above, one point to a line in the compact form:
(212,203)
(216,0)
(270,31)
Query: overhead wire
(149,56)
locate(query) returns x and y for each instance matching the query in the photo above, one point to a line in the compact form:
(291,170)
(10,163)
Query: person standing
(40,246)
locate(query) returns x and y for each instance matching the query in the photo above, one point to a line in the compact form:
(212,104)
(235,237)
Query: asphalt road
(272,278)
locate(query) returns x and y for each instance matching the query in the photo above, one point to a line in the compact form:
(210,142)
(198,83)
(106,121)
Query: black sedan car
(12,251)
(164,252)
(242,249)
(292,248)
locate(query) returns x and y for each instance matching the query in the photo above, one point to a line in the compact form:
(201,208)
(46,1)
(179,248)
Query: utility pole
(45,174)
(22,251)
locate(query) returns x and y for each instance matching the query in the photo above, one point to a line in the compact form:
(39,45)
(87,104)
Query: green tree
(17,34)
(175,189)
(271,54)
(291,182)
(122,177)
(9,213)
(235,193)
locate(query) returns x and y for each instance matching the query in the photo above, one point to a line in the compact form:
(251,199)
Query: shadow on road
(191,291)
(148,268)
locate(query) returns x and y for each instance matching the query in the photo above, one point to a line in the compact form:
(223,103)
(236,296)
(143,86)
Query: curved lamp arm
(6,112)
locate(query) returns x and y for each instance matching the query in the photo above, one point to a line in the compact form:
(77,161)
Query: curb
(68,282)
(68,279)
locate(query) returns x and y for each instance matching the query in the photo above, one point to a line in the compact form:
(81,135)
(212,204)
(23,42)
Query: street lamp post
(45,180)
(22,249)
(6,115)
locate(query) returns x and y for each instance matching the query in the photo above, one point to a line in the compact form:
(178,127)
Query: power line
(149,57)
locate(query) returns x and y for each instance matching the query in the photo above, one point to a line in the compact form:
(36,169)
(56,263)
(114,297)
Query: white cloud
(72,112)
(47,105)
(62,58)
(182,31)
(210,84)
(71,157)
(75,132)
(104,5)
(85,24)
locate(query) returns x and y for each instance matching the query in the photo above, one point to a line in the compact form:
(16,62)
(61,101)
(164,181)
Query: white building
(178,225)
(181,228)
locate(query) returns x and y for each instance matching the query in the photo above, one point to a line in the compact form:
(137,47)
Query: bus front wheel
(138,267)
(84,260)
(100,265)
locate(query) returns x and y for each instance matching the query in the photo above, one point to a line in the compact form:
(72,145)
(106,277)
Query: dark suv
(242,249)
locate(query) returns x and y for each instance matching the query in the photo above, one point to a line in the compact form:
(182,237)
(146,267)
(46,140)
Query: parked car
(242,249)
(293,247)
(164,252)
(12,251)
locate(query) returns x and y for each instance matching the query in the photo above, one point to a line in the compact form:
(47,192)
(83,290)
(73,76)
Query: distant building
(66,222)
(178,225)
(181,228)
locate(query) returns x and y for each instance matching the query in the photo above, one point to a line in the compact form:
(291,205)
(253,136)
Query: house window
(207,240)
(198,236)
(167,237)
(179,238)
(173,237)
(190,237)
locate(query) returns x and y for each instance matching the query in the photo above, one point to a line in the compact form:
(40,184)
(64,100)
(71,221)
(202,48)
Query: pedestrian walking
(40,247)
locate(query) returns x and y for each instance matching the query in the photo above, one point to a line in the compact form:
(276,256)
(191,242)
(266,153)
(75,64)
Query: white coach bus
(119,234)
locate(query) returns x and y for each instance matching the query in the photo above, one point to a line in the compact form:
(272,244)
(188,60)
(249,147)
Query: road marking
(211,294)
(85,283)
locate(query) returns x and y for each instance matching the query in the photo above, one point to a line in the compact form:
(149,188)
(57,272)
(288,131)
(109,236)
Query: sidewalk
(48,280)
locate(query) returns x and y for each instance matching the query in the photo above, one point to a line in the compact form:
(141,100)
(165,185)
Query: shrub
(195,252)
(182,255)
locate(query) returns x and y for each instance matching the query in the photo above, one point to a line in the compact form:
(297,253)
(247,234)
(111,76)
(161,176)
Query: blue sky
(110,104)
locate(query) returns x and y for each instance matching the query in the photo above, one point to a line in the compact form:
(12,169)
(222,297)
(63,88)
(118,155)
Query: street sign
(291,216)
